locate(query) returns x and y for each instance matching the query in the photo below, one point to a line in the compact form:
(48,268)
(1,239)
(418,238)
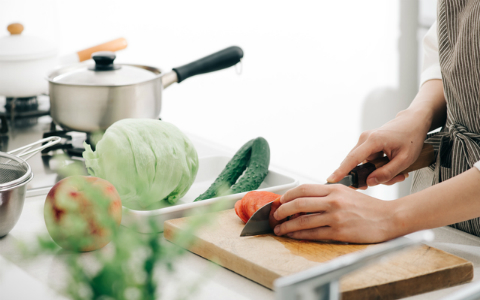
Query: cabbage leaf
(146,160)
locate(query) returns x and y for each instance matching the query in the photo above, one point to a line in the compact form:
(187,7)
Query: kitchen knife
(357,178)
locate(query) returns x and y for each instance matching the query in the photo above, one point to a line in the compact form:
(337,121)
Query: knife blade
(258,223)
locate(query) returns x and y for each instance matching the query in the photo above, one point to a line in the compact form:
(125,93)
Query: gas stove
(22,112)
(29,122)
(72,144)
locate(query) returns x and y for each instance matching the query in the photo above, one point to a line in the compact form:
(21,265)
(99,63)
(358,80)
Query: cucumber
(257,168)
(254,156)
(230,173)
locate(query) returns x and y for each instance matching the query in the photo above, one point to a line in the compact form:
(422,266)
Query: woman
(446,193)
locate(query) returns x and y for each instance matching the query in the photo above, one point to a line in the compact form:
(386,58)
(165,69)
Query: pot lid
(105,73)
(18,46)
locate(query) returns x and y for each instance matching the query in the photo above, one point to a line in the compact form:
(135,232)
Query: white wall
(308,69)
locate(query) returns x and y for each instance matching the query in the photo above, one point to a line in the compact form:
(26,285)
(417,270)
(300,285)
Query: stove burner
(3,134)
(21,104)
(69,146)
(23,112)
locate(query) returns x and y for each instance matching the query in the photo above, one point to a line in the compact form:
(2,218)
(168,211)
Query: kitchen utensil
(15,173)
(265,258)
(91,98)
(323,282)
(25,61)
(209,168)
(258,223)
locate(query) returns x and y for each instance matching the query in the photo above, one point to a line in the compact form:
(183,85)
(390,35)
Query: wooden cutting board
(267,257)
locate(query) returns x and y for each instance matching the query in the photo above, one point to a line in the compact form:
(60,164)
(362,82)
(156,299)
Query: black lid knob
(104,61)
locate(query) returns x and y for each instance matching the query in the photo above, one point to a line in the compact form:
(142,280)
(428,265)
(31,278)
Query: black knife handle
(361,172)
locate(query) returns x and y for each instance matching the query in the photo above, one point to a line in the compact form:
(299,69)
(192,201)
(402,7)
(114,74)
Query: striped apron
(458,143)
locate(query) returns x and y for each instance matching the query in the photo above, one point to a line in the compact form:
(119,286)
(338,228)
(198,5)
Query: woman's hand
(401,139)
(336,213)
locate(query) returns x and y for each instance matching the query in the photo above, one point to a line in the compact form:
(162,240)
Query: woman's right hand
(401,140)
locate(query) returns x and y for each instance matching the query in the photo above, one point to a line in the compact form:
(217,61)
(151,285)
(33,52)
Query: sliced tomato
(248,205)
(254,200)
(239,211)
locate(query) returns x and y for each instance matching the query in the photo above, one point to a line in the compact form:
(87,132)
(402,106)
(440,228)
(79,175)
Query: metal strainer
(14,169)
(15,173)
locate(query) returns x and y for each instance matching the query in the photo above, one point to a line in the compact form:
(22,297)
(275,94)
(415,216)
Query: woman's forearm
(454,200)
(429,105)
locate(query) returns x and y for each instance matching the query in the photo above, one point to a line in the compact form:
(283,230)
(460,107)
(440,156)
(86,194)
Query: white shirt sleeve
(431,62)
(477,165)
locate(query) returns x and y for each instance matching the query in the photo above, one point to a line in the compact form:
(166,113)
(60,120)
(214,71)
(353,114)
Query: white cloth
(431,63)
(477,165)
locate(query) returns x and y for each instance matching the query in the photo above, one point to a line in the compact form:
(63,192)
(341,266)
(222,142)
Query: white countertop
(41,279)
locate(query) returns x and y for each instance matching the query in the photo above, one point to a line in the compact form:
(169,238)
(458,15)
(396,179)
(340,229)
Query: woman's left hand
(336,212)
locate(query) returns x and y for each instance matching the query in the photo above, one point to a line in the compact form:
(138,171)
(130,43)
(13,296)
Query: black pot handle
(217,61)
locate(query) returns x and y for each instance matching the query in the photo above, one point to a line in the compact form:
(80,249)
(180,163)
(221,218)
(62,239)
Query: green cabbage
(146,160)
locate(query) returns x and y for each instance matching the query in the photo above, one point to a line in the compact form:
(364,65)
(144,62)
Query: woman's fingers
(375,156)
(300,205)
(305,190)
(322,233)
(396,179)
(343,215)
(389,171)
(355,157)
(303,222)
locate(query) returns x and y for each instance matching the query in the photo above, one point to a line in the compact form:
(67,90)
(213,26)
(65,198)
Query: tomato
(251,202)
(239,211)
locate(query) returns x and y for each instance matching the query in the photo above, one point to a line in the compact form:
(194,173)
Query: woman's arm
(430,102)
(454,200)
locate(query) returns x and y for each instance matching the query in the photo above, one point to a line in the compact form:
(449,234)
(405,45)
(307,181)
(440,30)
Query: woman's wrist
(418,118)
(403,220)
(430,104)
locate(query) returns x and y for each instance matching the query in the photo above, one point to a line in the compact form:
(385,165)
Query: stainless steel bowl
(15,174)
(11,205)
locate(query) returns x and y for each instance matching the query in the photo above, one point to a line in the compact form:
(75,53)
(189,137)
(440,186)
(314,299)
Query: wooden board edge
(416,285)
(198,247)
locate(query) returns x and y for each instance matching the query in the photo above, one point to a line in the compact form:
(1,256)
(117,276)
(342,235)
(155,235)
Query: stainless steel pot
(15,173)
(91,98)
